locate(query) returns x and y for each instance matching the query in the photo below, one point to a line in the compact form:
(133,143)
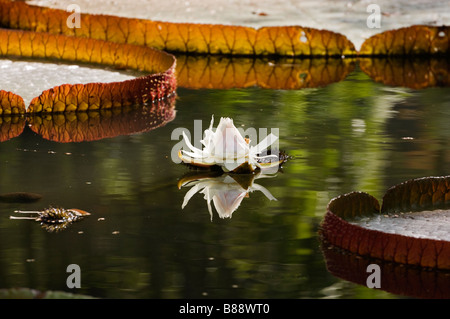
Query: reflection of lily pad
(54,219)
(223,72)
(395,278)
(181,37)
(96,125)
(27,293)
(415,203)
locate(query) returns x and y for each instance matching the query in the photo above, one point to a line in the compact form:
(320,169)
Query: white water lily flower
(227,148)
(225,192)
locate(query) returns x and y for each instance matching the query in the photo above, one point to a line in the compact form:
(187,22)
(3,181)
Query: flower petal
(195,160)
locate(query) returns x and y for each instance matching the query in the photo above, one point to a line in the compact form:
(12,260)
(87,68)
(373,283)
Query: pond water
(138,242)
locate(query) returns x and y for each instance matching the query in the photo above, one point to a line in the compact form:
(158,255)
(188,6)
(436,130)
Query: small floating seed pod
(54,219)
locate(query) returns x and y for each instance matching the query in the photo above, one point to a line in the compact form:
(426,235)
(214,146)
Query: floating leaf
(180,37)
(432,193)
(414,73)
(128,43)
(413,40)
(11,126)
(91,125)
(96,125)
(218,72)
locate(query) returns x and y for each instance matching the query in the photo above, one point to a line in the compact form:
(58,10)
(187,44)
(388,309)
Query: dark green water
(354,135)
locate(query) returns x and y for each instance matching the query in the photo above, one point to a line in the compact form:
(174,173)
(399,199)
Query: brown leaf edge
(416,194)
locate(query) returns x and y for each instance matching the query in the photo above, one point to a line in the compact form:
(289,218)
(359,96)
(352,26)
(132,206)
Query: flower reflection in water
(226,191)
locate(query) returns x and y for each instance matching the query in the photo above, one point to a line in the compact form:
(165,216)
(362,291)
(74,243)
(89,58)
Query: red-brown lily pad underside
(38,32)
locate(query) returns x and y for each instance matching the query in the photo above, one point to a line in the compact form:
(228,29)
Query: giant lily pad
(225,190)
(11,103)
(180,37)
(410,228)
(96,125)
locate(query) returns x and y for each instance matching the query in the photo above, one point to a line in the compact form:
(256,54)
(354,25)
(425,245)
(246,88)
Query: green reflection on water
(351,135)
